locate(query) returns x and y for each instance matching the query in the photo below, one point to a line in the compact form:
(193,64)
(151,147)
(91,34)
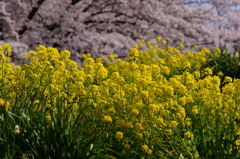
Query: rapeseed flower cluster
(157,102)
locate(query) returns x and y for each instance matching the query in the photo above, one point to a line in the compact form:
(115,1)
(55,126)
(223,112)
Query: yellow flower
(84,56)
(138,126)
(181,46)
(220,74)
(153,108)
(165,70)
(111,111)
(112,57)
(215,80)
(135,112)
(227,79)
(48,118)
(173,124)
(160,120)
(187,121)
(107,119)
(158,39)
(169,132)
(208,71)
(149,43)
(140,45)
(88,55)
(236,55)
(163,42)
(144,94)
(127,147)
(120,123)
(129,124)
(187,134)
(195,46)
(7,49)
(169,49)
(119,135)
(149,152)
(195,110)
(145,148)
(115,75)
(238,142)
(65,54)
(139,135)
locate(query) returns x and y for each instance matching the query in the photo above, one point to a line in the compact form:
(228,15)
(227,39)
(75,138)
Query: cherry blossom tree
(103,27)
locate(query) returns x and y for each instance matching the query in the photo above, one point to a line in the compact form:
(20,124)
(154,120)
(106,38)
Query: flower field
(160,102)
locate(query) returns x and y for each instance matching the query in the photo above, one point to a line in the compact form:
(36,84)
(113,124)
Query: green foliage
(222,61)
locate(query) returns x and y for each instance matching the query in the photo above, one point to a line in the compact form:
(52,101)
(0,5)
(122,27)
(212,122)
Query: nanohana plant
(157,103)
(224,64)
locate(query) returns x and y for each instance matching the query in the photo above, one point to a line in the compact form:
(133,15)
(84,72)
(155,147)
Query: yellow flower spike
(48,118)
(119,135)
(134,112)
(165,70)
(149,152)
(84,56)
(163,42)
(176,51)
(187,134)
(145,148)
(138,127)
(41,48)
(173,124)
(115,75)
(158,39)
(111,111)
(126,146)
(181,46)
(140,45)
(65,54)
(7,49)
(169,131)
(120,123)
(88,55)
(195,110)
(129,125)
(220,74)
(107,119)
(149,43)
(237,142)
(150,47)
(195,46)
(169,49)
(144,94)
(112,57)
(160,121)
(208,71)
(2,56)
(187,121)
(139,135)
(227,79)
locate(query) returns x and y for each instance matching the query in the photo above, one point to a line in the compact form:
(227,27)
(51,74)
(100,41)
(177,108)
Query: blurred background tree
(103,27)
